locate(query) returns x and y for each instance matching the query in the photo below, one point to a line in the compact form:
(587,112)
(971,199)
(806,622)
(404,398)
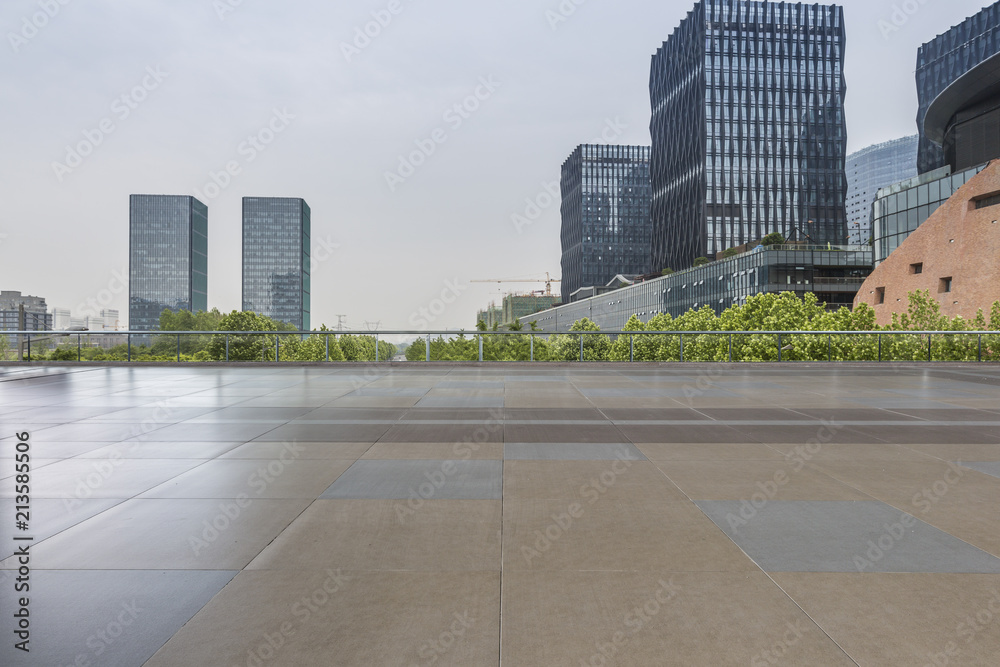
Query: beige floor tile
(584,480)
(309,450)
(708,452)
(610,534)
(256,478)
(875,452)
(444,451)
(656,618)
(900,619)
(726,480)
(374,402)
(533,401)
(635,402)
(389,535)
(959,452)
(169,535)
(371,618)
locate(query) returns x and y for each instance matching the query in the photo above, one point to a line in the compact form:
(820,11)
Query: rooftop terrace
(619,514)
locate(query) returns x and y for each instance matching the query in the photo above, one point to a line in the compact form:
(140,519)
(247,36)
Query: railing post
(581,347)
(428,347)
(979,357)
(929,347)
(730,348)
(631,347)
(263,347)
(29,347)
(376,348)
(681,336)
(328,347)
(277,352)
(227,347)
(531,345)
(128,343)
(879,346)
(779,348)
(480,336)
(178,348)
(829,347)
(79,347)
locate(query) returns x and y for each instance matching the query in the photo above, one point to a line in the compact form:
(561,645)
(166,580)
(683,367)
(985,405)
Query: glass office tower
(943,60)
(605,215)
(748,129)
(168,257)
(869,170)
(276,241)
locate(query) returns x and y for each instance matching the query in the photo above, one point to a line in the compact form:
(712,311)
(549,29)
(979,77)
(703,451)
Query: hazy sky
(288,97)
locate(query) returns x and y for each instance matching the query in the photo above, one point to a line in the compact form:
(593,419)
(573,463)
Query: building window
(879,295)
(945,285)
(917,268)
(988,200)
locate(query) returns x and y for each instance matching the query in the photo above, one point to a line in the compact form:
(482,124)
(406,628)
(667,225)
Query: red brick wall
(957,241)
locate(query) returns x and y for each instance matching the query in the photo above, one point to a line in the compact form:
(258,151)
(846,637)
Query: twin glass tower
(168,258)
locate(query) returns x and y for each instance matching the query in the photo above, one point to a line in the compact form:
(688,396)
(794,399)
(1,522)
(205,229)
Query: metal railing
(728,346)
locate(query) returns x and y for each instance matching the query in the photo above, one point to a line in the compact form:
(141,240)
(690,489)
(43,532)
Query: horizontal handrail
(475,332)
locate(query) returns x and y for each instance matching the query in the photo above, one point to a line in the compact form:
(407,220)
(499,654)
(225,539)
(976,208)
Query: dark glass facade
(605,215)
(276,242)
(943,60)
(748,129)
(834,275)
(902,207)
(168,257)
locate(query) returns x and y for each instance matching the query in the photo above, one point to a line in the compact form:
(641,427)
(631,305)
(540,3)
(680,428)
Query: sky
(426,136)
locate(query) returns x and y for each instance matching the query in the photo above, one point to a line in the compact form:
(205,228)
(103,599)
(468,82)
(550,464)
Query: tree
(774,238)
(666,272)
(730,252)
(700,261)
(243,347)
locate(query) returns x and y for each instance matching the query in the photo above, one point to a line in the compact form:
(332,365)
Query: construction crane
(548,281)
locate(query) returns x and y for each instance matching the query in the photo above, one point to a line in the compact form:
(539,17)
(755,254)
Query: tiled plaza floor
(518,514)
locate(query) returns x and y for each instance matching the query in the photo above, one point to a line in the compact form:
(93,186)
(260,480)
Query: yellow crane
(548,280)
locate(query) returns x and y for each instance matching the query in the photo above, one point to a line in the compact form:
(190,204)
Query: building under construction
(516,306)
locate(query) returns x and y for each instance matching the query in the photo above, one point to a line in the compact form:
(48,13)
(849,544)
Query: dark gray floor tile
(327,432)
(439,480)
(481,431)
(842,536)
(106,618)
(562,433)
(686,433)
(988,467)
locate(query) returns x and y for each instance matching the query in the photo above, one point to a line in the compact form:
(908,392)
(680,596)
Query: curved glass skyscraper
(747,128)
